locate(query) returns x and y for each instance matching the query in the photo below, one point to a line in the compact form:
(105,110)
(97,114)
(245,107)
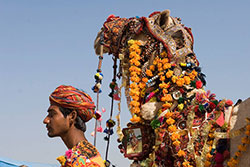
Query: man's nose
(46,120)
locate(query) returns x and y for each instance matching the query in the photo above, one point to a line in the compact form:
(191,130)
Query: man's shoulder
(86,149)
(90,154)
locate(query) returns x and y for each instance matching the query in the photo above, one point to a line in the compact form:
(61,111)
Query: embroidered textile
(82,155)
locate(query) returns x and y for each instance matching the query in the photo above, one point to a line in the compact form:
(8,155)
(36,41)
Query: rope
(97,108)
(97,96)
(112,103)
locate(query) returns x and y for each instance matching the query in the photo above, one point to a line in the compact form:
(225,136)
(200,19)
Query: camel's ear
(97,44)
(166,12)
(164,19)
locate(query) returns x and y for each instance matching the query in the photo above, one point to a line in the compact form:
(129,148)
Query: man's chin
(51,135)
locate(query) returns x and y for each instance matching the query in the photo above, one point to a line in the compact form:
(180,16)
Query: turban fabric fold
(73,98)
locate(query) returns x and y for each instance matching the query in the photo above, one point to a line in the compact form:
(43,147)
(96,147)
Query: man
(69,109)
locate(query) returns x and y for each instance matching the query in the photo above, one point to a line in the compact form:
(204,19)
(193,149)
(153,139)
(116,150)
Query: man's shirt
(83,154)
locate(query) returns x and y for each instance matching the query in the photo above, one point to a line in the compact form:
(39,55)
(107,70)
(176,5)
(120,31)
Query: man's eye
(50,115)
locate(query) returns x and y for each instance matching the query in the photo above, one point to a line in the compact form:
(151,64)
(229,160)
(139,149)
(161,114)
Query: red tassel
(229,102)
(154,13)
(110,17)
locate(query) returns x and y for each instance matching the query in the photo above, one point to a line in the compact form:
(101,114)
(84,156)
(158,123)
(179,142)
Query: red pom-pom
(182,90)
(199,84)
(212,105)
(97,115)
(173,65)
(198,63)
(229,102)
(110,17)
(196,108)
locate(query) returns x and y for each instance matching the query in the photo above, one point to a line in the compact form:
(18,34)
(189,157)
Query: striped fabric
(73,98)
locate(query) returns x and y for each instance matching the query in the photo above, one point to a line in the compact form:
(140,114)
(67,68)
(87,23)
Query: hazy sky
(45,43)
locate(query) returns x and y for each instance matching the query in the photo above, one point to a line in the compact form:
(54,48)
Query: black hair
(201,76)
(79,123)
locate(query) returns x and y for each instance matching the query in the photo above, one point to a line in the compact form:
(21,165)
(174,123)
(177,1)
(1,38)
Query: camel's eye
(182,125)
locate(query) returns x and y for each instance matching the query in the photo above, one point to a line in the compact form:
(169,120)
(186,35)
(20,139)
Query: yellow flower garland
(234,161)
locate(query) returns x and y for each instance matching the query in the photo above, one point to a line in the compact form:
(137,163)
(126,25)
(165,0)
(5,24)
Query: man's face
(56,123)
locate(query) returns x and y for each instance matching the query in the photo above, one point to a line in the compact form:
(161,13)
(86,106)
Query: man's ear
(72,117)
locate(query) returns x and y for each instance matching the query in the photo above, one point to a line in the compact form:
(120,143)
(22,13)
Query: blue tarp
(6,162)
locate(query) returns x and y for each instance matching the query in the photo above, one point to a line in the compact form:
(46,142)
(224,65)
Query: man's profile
(69,110)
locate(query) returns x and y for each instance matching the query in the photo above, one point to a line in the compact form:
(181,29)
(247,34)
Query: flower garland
(135,72)
(164,71)
(209,142)
(234,161)
(163,82)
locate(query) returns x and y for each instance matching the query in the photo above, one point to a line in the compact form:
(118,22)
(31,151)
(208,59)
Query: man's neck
(73,137)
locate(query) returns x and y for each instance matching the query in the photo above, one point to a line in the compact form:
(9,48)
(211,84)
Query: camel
(164,88)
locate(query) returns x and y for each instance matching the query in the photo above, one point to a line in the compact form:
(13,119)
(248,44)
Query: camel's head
(176,39)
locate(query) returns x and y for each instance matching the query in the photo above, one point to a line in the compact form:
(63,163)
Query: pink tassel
(99,129)
(161,119)
(116,97)
(103,110)
(150,96)
(68,154)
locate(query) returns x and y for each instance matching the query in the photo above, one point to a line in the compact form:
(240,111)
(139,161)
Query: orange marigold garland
(136,85)
(161,71)
(234,161)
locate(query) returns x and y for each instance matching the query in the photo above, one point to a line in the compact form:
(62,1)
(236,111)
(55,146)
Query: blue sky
(45,43)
